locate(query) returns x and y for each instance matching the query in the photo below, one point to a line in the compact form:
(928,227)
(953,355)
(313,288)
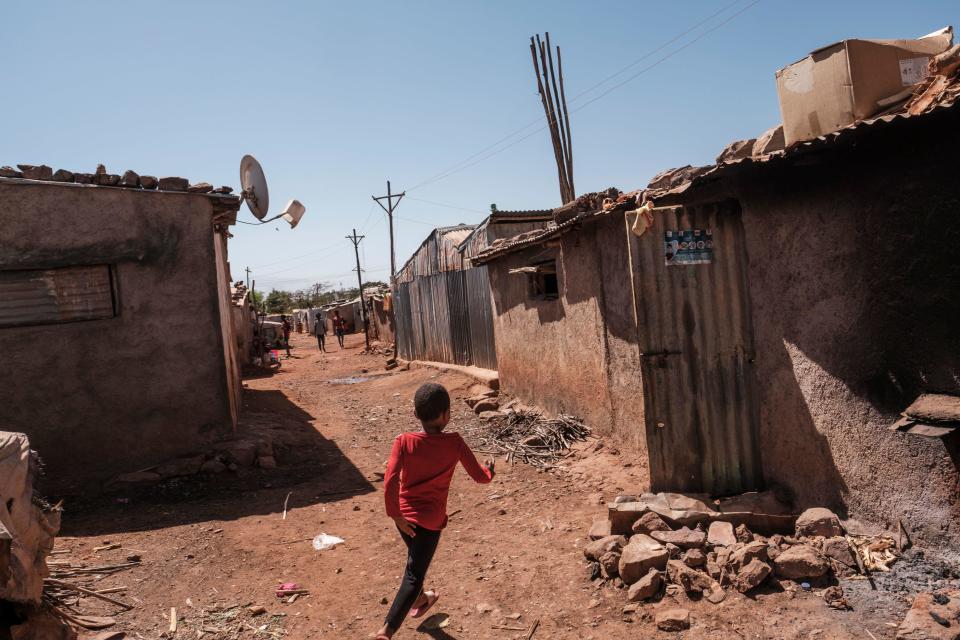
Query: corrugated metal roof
(528,213)
(437,253)
(479,238)
(532,238)
(458,235)
(586,207)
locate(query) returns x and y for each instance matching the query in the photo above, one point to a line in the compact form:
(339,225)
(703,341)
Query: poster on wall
(687,246)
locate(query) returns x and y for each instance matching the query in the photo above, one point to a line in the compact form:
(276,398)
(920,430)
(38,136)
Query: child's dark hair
(430,401)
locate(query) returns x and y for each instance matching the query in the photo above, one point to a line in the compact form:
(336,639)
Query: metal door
(696,344)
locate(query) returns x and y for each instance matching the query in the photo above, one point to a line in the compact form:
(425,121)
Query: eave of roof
(950,100)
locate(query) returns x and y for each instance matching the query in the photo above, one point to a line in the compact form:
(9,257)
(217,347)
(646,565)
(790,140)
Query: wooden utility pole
(248,277)
(389,209)
(355,239)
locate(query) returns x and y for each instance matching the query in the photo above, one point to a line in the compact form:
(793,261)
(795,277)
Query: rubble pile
(254,450)
(671,543)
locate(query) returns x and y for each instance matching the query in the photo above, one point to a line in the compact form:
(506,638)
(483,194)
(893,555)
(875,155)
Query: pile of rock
(227,455)
(129,179)
(679,544)
(484,401)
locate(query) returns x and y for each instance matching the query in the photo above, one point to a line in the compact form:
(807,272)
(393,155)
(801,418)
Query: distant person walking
(286,333)
(339,327)
(321,331)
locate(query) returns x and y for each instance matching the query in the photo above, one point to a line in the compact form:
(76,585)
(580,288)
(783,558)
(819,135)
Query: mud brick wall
(576,354)
(854,271)
(113,395)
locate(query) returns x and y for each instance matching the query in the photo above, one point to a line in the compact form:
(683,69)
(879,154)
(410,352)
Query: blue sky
(336,98)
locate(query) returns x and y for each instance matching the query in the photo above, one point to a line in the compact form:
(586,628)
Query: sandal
(418,612)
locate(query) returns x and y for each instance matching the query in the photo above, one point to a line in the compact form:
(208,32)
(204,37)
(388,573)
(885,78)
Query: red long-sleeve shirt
(418,476)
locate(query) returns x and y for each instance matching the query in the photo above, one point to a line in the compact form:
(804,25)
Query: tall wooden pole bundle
(554,101)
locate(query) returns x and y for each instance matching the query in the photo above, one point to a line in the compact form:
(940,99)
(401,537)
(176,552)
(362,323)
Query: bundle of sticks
(529,437)
(65,598)
(554,100)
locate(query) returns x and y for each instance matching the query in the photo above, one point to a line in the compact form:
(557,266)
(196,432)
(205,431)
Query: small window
(53,296)
(542,283)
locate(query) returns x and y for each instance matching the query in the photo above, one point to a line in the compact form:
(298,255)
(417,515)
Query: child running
(416,485)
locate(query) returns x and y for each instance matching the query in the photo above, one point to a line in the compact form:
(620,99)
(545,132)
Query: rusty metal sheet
(446,317)
(483,349)
(50,296)
(697,350)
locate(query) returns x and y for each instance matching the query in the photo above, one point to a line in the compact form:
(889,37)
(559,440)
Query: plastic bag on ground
(323,542)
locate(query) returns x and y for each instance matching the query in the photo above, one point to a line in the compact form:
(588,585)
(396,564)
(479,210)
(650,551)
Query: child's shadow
(429,627)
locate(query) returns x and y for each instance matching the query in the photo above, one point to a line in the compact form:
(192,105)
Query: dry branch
(527,436)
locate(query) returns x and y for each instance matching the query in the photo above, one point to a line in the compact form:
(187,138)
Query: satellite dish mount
(257,197)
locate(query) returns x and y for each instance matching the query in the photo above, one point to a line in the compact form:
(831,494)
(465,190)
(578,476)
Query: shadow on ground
(311,469)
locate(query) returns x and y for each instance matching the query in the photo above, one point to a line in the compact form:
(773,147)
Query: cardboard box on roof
(851,80)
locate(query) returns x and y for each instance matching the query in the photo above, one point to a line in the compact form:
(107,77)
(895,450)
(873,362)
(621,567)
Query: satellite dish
(254,185)
(293,212)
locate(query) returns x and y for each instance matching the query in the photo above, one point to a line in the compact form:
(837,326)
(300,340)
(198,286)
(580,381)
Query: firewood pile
(527,436)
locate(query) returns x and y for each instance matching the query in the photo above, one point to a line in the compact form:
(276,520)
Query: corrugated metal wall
(446,317)
(483,349)
(696,341)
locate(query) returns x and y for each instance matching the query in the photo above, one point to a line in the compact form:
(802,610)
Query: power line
(465,164)
(653,51)
(448,206)
(322,277)
(366,220)
(304,264)
(321,249)
(669,55)
(429,224)
(314,252)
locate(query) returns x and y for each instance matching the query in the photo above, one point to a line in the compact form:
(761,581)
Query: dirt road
(510,559)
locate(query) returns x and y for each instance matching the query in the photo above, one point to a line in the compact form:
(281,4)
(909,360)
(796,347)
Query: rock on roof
(128,180)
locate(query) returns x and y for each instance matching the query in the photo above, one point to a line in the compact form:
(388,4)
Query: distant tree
(279,301)
(256,299)
(317,293)
(301,298)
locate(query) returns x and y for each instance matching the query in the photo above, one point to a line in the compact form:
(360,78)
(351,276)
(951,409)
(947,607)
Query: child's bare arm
(482,474)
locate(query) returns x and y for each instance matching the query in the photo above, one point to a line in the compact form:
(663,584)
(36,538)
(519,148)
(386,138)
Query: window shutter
(51,296)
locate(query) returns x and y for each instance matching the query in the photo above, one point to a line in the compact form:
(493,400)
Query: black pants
(340,337)
(420,550)
(321,342)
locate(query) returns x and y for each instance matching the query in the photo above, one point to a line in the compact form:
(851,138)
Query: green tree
(256,299)
(279,301)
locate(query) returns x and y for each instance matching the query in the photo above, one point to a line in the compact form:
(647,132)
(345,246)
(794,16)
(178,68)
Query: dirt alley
(513,547)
